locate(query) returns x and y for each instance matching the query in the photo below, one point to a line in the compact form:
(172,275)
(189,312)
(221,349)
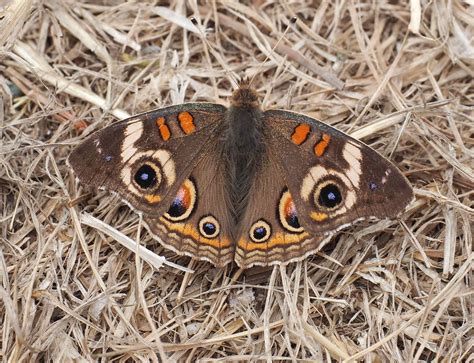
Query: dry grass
(394,291)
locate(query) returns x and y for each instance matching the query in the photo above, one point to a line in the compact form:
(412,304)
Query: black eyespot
(287,214)
(260,231)
(293,221)
(209,227)
(184,202)
(330,196)
(146,176)
(177,208)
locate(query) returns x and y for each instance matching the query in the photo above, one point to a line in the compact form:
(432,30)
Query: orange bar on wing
(300,134)
(321,146)
(279,240)
(163,128)
(187,230)
(186,122)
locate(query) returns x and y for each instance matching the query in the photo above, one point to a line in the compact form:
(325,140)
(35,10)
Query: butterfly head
(245,96)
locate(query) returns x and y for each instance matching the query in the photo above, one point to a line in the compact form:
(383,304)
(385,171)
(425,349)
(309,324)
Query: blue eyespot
(177,208)
(183,203)
(209,227)
(146,177)
(108,158)
(260,231)
(330,196)
(373,186)
(293,221)
(287,214)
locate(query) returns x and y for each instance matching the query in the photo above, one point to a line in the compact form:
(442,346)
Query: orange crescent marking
(187,196)
(300,134)
(189,231)
(279,239)
(186,121)
(184,194)
(319,217)
(163,128)
(321,146)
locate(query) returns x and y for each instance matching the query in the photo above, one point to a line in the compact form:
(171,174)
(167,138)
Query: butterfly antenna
(207,46)
(288,27)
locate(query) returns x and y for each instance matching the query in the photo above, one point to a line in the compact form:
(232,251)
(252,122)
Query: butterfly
(240,184)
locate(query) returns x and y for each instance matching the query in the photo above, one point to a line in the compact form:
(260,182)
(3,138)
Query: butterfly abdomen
(244,147)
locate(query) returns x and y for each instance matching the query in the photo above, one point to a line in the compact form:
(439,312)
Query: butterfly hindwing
(199,221)
(270,231)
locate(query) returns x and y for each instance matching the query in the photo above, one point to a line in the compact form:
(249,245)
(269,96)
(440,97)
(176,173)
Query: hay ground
(397,75)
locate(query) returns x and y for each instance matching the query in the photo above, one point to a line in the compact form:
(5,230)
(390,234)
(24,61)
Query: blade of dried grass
(11,317)
(74,313)
(221,338)
(415,16)
(33,62)
(152,258)
(267,313)
(384,82)
(416,243)
(386,121)
(82,240)
(335,350)
(175,18)
(451,288)
(120,37)
(13,18)
(435,194)
(448,153)
(283,49)
(85,37)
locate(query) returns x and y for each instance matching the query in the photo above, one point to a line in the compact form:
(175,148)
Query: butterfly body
(238,183)
(244,146)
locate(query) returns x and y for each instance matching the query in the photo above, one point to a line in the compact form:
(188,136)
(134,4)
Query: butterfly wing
(270,231)
(334,178)
(313,180)
(199,221)
(164,164)
(146,158)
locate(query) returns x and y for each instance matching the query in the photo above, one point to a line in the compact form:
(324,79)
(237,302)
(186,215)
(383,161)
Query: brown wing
(166,164)
(270,231)
(145,159)
(313,180)
(333,178)
(198,222)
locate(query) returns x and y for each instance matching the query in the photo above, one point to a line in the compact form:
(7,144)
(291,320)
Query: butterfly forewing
(146,158)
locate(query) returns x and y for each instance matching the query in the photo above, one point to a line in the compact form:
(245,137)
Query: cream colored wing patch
(331,192)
